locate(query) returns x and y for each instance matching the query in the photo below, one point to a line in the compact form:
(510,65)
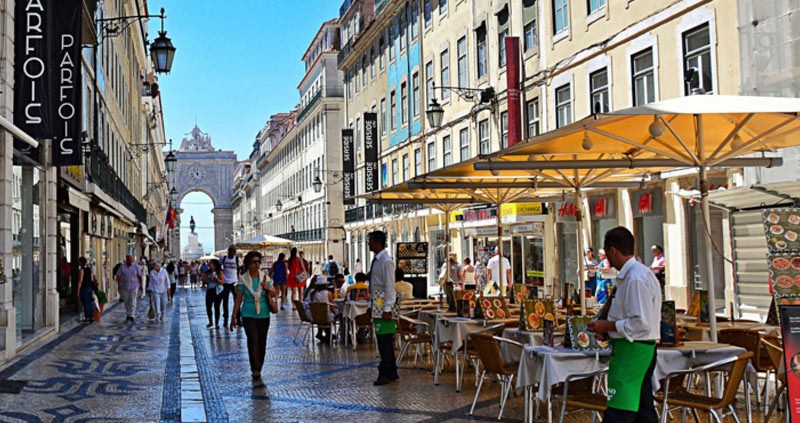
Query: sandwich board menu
(412,257)
(524,292)
(580,336)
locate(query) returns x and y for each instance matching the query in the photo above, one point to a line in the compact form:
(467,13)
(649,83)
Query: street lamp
(435,114)
(435,111)
(173,195)
(278,205)
(162,51)
(171,159)
(317,184)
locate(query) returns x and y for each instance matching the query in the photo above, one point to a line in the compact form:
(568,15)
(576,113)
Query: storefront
(567,251)
(648,221)
(603,214)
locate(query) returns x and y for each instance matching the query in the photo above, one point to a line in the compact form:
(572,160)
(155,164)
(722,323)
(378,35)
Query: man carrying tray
(632,326)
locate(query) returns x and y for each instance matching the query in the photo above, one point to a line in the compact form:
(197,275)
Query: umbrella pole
(581,267)
(712,312)
(446,247)
(499,216)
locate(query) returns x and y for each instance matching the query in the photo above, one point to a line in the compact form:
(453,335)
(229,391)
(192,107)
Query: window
(463,138)
(414,19)
(442,7)
(364,71)
(358,134)
(392,111)
(560,16)
(405,167)
(447,151)
(504,130)
(481,49)
(595,5)
(383,116)
(429,81)
(395,172)
(416,101)
(531,37)
(563,106)
(431,156)
(444,63)
(483,136)
(697,60)
(598,86)
(502,32)
(644,84)
(532,114)
(372,62)
(382,53)
(356,79)
(427,13)
(461,50)
(392,36)
(403,30)
(403,103)
(417,161)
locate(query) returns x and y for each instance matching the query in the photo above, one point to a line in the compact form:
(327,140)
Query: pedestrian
(633,328)
(231,267)
(278,274)
(182,273)
(193,269)
(321,294)
(591,271)
(499,272)
(468,274)
(358,268)
(298,274)
(214,280)
(159,285)
(253,294)
(129,283)
(383,297)
(331,266)
(605,277)
(172,284)
(405,290)
(659,265)
(317,268)
(86,287)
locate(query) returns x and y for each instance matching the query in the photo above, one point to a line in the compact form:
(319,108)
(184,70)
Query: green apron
(626,372)
(384,326)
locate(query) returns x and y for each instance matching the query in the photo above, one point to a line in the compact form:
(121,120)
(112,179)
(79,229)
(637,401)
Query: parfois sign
(47,81)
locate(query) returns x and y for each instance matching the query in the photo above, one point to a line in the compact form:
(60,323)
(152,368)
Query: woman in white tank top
(468,274)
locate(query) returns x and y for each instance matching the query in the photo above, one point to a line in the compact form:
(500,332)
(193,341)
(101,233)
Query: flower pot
(98,313)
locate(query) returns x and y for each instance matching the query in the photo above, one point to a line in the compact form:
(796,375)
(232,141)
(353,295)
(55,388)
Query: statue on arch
(191,224)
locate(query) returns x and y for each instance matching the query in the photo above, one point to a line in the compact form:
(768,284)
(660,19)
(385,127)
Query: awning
(264,241)
(757,196)
(78,199)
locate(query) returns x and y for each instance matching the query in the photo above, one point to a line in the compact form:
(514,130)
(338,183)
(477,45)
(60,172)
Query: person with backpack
(231,268)
(278,273)
(331,267)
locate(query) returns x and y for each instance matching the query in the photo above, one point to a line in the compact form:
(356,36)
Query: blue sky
(237,62)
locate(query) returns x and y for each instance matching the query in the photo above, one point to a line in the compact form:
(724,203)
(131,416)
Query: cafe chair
(582,392)
(413,332)
(489,351)
(320,318)
(363,321)
(467,353)
(305,322)
(735,366)
(750,340)
(775,354)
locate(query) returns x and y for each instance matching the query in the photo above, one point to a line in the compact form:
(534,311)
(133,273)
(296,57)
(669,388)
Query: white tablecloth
(353,309)
(430,317)
(535,339)
(456,330)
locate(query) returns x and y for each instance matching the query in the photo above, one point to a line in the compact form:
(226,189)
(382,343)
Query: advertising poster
(790,326)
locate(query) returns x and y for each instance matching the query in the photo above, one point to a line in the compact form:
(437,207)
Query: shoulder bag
(271,301)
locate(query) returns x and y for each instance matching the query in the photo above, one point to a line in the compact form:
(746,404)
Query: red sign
(513,82)
(600,207)
(646,203)
(567,210)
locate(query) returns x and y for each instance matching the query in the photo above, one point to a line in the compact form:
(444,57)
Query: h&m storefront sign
(348,167)
(371,164)
(602,207)
(648,202)
(48,78)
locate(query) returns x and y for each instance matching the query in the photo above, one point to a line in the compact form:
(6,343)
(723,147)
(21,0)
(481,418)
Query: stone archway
(200,167)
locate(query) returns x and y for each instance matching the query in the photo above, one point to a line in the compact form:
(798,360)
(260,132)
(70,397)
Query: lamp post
(435,111)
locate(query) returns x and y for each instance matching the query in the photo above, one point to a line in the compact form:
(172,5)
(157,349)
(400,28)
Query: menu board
(524,292)
(412,257)
(494,308)
(669,326)
(784,273)
(782,227)
(465,299)
(535,312)
(790,328)
(581,338)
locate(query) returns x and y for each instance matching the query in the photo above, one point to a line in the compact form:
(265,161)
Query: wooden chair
(751,341)
(488,349)
(413,332)
(363,321)
(321,320)
(305,321)
(707,403)
(581,392)
(775,354)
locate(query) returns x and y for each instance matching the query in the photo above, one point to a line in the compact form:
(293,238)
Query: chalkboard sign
(412,257)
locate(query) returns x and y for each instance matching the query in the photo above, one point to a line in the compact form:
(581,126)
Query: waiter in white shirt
(382,294)
(633,328)
(499,271)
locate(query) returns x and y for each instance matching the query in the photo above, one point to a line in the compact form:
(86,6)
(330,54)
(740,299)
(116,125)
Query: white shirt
(230,266)
(159,281)
(381,278)
(636,307)
(494,266)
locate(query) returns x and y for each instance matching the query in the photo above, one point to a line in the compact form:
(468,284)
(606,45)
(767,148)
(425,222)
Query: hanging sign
(348,167)
(790,329)
(370,152)
(647,202)
(67,80)
(602,208)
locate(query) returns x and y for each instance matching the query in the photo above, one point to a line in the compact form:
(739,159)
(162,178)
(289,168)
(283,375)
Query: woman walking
(605,277)
(278,274)
(468,274)
(172,284)
(252,305)
(213,283)
(298,273)
(159,285)
(86,290)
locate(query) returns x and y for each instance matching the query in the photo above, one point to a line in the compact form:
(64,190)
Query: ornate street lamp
(317,184)
(173,195)
(435,114)
(278,205)
(162,51)
(435,111)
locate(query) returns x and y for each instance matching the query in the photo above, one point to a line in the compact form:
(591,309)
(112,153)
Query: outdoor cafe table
(702,331)
(511,351)
(349,310)
(546,367)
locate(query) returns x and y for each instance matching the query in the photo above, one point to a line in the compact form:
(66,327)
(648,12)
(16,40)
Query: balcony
(105,177)
(375,211)
(328,93)
(344,52)
(305,236)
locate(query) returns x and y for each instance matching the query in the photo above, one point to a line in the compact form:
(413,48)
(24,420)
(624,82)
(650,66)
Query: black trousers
(88,302)
(256,332)
(227,292)
(212,299)
(387,368)
(647,409)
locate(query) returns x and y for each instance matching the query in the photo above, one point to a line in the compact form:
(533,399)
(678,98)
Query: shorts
(279,283)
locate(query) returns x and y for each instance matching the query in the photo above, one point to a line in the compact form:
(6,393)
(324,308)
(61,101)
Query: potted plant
(102,299)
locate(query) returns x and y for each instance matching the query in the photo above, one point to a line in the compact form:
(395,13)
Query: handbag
(301,277)
(272,302)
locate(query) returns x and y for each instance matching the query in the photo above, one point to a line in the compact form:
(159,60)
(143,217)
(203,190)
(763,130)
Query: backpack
(333,268)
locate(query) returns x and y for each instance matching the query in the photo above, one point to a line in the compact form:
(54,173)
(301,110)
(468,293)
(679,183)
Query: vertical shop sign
(67,80)
(348,167)
(370,152)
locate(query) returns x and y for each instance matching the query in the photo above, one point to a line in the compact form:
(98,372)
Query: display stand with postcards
(580,337)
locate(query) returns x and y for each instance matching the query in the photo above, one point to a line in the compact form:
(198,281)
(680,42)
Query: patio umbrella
(700,131)
(264,241)
(208,258)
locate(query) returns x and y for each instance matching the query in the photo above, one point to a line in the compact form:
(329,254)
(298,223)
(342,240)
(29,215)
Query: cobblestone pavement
(181,371)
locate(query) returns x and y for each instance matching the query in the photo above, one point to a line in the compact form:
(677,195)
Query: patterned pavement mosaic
(179,370)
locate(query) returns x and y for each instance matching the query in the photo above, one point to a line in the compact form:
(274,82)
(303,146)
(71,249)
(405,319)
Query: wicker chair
(707,403)
(488,349)
(775,353)
(305,321)
(415,333)
(751,341)
(321,320)
(468,353)
(581,392)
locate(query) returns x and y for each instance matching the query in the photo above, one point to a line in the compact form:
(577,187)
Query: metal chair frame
(574,378)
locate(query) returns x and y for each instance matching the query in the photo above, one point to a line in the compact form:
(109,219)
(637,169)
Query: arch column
(175,241)
(223,227)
